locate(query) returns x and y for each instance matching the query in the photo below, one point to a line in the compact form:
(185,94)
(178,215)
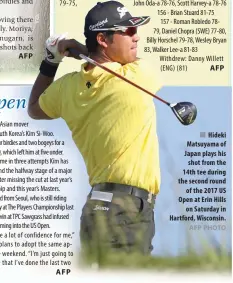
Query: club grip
(74,53)
(79,56)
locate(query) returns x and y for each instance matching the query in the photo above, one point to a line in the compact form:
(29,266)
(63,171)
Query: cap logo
(135,20)
(122,11)
(100,24)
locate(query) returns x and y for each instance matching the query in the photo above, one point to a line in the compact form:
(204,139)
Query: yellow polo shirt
(113,124)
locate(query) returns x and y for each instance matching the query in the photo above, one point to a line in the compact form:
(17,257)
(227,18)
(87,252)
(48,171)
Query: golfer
(113,125)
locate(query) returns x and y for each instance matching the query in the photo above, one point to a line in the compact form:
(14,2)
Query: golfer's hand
(51,45)
(65,45)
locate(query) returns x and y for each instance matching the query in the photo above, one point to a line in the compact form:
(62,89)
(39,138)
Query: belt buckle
(149,197)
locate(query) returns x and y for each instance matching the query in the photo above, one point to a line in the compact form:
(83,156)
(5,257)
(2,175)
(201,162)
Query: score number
(71,3)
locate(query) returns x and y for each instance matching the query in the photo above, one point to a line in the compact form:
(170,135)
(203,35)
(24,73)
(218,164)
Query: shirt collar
(97,71)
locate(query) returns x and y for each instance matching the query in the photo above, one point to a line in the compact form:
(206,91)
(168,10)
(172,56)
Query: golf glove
(51,45)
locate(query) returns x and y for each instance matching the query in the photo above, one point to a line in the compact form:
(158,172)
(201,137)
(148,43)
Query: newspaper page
(44,181)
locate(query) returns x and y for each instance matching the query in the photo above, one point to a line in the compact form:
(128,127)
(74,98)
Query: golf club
(186,112)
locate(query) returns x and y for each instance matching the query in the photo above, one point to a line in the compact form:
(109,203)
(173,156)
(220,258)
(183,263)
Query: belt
(127,189)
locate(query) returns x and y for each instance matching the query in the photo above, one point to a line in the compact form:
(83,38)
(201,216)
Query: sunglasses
(130,31)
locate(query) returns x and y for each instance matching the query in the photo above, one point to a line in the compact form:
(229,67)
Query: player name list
(188,36)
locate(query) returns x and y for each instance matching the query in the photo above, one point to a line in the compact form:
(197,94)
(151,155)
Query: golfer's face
(123,48)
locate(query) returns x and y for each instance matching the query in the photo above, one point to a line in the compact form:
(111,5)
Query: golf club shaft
(74,52)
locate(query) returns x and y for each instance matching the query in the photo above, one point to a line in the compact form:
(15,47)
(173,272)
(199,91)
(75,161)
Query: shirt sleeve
(51,99)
